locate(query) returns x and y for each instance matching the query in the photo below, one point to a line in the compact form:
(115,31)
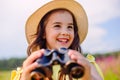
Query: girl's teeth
(62,40)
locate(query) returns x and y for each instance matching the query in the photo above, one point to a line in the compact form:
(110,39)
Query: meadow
(5,75)
(110,66)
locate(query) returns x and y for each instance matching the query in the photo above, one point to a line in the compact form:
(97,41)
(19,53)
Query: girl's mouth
(63,40)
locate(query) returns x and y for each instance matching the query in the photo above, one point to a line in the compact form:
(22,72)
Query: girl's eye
(57,26)
(70,27)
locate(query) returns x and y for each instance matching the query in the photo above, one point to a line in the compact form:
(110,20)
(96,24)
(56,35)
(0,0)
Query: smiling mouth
(63,40)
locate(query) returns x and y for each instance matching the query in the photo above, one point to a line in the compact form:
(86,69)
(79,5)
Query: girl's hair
(40,41)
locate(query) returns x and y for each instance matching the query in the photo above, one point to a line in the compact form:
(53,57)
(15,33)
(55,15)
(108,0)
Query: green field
(111,76)
(5,75)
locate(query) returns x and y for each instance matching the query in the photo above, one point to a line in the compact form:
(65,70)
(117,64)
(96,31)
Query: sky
(103,34)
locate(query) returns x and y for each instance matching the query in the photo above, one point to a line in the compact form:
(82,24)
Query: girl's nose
(65,33)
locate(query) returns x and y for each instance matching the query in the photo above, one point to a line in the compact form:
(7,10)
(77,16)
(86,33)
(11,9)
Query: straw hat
(71,5)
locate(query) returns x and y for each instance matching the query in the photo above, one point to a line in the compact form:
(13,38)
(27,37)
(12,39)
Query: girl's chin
(62,47)
(57,47)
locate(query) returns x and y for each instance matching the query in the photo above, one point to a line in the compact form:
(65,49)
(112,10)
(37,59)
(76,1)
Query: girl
(59,23)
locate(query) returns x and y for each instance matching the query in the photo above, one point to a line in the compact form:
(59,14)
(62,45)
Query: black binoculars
(53,57)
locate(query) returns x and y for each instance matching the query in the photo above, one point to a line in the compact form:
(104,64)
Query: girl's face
(59,30)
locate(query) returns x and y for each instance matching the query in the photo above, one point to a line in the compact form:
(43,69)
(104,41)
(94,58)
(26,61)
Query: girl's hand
(90,70)
(29,64)
(80,59)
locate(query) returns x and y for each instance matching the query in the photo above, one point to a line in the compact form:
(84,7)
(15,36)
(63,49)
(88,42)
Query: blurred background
(102,41)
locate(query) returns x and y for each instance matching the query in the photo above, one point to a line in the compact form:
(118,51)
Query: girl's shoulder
(15,74)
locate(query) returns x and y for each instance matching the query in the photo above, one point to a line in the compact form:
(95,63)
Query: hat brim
(71,5)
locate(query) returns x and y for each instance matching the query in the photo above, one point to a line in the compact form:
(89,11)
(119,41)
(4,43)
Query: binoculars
(53,57)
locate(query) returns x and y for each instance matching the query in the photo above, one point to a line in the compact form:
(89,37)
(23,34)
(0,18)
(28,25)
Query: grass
(5,75)
(111,76)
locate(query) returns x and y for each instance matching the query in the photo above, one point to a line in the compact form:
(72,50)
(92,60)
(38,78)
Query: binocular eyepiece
(53,57)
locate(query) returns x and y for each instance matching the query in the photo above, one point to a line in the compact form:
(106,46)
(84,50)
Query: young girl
(59,23)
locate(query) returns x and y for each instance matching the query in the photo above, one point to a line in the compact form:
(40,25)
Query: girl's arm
(96,72)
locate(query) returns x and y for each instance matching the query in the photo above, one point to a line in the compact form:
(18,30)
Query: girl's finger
(79,58)
(33,57)
(74,55)
(31,67)
(83,62)
(26,71)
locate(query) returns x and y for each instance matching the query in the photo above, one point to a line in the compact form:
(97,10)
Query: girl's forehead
(61,16)
(59,13)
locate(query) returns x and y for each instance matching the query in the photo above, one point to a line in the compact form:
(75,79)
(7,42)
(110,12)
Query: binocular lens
(75,70)
(41,73)
(37,76)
